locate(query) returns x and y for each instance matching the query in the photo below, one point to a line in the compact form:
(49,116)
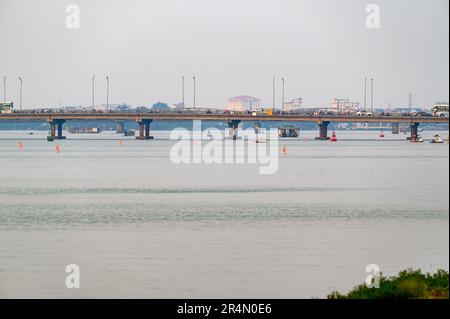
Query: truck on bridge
(6,108)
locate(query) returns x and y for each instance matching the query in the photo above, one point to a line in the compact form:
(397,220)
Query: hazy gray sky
(234,47)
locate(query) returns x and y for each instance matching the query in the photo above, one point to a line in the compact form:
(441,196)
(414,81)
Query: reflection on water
(140,226)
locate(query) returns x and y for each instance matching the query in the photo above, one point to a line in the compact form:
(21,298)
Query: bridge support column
(120,127)
(56,129)
(323,131)
(233,126)
(395,128)
(414,131)
(144,130)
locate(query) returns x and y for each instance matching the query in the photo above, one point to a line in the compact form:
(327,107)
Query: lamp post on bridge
(195,80)
(365,94)
(273,94)
(4,88)
(21,90)
(107,93)
(93,92)
(182,91)
(282,100)
(371,95)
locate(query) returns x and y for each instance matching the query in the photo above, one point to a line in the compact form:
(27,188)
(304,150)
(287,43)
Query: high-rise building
(344,105)
(294,105)
(243,104)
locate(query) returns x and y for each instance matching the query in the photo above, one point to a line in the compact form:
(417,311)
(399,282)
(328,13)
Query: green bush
(409,284)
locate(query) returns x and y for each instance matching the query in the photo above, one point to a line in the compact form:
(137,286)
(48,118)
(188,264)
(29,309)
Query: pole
(282,101)
(410,102)
(371,95)
(273,93)
(93,92)
(194,91)
(107,93)
(4,88)
(365,94)
(21,86)
(182,91)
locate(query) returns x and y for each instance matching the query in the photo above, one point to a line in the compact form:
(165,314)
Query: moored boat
(437,139)
(417,139)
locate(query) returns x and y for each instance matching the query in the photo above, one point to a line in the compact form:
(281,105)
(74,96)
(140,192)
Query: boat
(382,134)
(84,130)
(129,133)
(288,132)
(417,139)
(50,138)
(437,139)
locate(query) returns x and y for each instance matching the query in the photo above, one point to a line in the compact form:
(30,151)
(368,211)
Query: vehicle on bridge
(421,114)
(364,113)
(6,108)
(441,110)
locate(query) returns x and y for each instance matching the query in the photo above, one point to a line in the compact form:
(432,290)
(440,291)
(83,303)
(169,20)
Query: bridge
(144,120)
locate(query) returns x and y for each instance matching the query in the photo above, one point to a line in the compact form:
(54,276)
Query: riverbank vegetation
(409,284)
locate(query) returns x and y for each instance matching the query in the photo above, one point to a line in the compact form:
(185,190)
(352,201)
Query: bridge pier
(144,130)
(414,131)
(323,131)
(395,128)
(233,126)
(56,129)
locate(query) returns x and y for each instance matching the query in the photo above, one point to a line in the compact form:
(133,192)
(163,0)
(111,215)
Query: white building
(344,105)
(243,104)
(294,105)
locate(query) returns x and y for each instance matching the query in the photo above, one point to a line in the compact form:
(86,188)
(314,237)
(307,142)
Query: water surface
(142,227)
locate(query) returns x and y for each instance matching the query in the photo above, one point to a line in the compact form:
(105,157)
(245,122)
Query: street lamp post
(182,91)
(365,94)
(107,93)
(93,92)
(4,88)
(21,90)
(371,95)
(194,78)
(273,94)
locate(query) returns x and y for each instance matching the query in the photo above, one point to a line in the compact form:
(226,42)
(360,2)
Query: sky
(323,48)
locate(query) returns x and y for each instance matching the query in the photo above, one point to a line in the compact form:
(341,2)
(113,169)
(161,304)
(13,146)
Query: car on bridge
(422,114)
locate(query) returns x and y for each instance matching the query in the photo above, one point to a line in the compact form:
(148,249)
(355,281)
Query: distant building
(294,105)
(180,105)
(243,103)
(101,107)
(344,105)
(160,106)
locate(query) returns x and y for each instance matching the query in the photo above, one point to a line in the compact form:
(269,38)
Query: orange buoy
(284,151)
(334,137)
(21,146)
(58,149)
(121,143)
(382,134)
